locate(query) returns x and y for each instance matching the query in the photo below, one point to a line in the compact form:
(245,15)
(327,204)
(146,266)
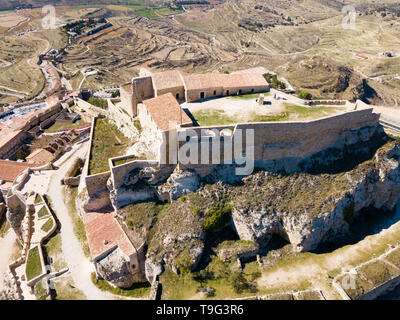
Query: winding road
(79,265)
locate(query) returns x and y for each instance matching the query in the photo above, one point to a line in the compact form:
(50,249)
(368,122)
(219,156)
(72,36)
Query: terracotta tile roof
(39,157)
(210,80)
(104,234)
(9,170)
(8,135)
(203,81)
(165,109)
(167,79)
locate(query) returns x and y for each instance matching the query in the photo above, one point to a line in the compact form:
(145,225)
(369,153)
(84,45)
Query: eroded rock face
(309,209)
(182,182)
(115,268)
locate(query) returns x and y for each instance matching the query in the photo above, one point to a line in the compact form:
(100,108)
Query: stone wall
(326,102)
(12,145)
(89,108)
(193,95)
(118,173)
(142,88)
(280,140)
(177,92)
(128,102)
(122,119)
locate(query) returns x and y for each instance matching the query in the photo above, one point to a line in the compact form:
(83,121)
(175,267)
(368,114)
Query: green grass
(38,199)
(138,290)
(378,272)
(78,225)
(48,225)
(122,161)
(108,142)
(394,257)
(397,138)
(148,13)
(65,126)
(33,265)
(43,212)
(40,291)
(212,117)
(53,245)
(250,96)
(66,290)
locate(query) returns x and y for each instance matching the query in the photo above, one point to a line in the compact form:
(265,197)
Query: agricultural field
(306,44)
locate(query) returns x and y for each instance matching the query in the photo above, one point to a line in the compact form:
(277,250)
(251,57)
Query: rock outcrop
(309,209)
(115,268)
(182,182)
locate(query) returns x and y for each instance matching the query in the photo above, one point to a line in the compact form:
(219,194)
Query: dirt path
(6,245)
(79,266)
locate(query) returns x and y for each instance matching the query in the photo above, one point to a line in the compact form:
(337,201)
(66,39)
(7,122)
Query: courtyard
(242,109)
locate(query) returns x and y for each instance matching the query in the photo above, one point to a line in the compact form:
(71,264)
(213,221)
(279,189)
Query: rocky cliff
(304,208)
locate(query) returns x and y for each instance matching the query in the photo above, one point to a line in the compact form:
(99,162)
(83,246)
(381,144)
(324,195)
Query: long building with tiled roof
(163,111)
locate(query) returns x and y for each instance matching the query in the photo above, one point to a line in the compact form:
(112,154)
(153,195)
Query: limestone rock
(309,209)
(115,268)
(182,182)
(153,269)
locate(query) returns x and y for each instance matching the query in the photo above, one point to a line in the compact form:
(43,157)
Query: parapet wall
(118,173)
(142,88)
(276,140)
(89,108)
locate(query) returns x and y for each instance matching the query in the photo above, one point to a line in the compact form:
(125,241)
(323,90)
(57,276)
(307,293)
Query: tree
(21,154)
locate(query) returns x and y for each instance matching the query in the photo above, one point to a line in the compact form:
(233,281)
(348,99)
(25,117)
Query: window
(177,96)
(201,95)
(215,93)
(252,90)
(240,91)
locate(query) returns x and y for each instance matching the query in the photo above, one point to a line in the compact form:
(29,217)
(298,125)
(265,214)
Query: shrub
(21,154)
(218,215)
(137,125)
(274,82)
(184,262)
(240,284)
(196,210)
(348,213)
(304,94)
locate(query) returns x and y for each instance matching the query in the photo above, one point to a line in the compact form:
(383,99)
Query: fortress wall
(175,90)
(326,102)
(96,182)
(89,108)
(118,173)
(193,95)
(277,140)
(127,100)
(11,146)
(118,115)
(142,88)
